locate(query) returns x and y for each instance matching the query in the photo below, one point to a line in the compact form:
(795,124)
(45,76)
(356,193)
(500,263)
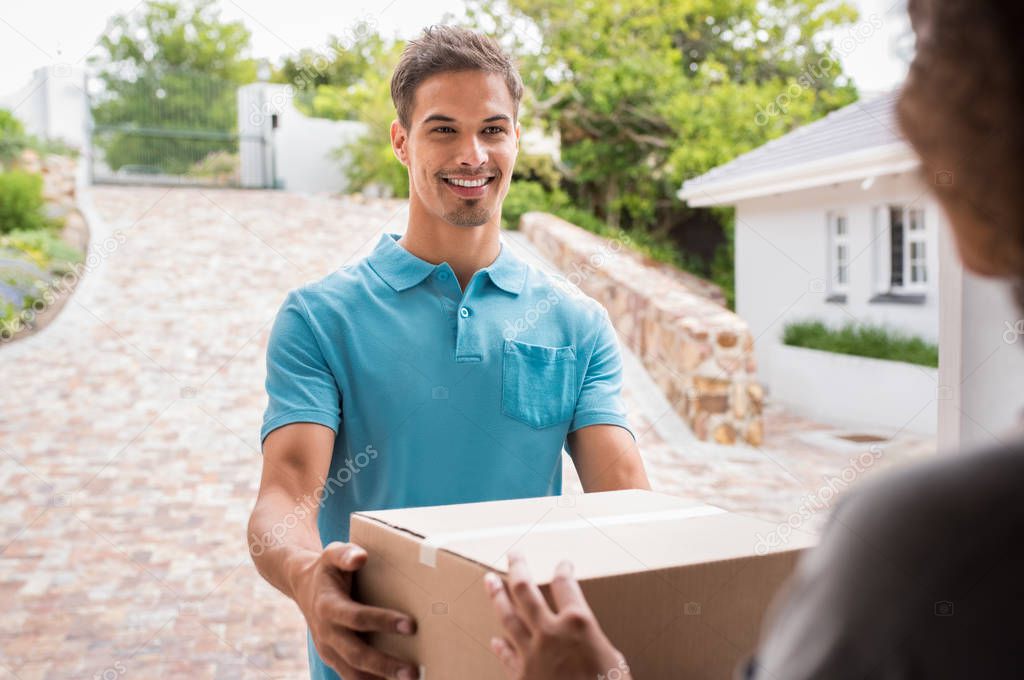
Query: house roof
(856,142)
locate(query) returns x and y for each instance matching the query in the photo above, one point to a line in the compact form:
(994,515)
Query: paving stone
(129,452)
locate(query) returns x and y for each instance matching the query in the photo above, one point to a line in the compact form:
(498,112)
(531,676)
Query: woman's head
(960,109)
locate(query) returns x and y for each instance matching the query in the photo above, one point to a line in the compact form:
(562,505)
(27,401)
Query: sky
(41,32)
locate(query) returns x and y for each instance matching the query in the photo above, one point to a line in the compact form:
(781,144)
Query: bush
(12,136)
(525,196)
(43,248)
(876,342)
(21,202)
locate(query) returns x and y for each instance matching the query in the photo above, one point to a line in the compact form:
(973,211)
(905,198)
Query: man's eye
(444,128)
(494,130)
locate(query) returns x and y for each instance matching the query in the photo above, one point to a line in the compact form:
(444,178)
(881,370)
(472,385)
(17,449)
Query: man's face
(462,132)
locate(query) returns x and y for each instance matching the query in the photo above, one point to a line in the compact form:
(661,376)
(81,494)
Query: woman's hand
(541,644)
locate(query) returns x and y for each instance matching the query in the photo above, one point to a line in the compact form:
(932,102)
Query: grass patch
(862,340)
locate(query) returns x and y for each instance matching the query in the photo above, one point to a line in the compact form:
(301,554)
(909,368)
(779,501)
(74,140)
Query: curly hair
(960,109)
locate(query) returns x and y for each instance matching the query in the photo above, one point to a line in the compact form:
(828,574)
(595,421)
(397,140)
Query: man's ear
(399,139)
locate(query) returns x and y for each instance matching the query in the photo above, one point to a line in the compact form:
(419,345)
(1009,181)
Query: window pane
(917,220)
(842,274)
(896,245)
(841,225)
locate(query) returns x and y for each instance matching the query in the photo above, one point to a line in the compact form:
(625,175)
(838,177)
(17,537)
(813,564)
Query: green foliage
(21,201)
(526,196)
(166,69)
(43,248)
(12,137)
(722,270)
(862,340)
(647,93)
(537,167)
(220,166)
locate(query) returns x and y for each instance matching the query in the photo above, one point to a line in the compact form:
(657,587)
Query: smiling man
(393,382)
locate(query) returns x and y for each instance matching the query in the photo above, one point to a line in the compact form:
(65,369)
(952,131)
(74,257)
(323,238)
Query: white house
(834,222)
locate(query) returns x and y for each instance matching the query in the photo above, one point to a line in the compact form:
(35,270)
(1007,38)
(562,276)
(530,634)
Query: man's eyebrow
(449,119)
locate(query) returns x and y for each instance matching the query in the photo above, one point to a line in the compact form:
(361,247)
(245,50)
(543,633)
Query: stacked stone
(58,174)
(698,352)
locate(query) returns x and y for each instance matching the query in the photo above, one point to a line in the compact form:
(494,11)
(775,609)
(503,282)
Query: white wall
(302,146)
(856,392)
(53,104)
(781,262)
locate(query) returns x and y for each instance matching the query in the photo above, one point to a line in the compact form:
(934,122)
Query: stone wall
(698,352)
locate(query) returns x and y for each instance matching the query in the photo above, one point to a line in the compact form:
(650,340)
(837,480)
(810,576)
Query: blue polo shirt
(439,395)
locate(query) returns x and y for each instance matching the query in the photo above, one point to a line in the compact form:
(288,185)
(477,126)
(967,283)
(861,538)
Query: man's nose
(472,153)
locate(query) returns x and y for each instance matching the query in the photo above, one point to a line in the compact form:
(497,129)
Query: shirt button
(443,276)
(464,312)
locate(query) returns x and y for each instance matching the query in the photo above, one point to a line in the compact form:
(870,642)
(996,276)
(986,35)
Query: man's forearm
(282,549)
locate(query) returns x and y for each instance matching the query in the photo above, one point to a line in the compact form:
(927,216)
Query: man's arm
(607,458)
(285,546)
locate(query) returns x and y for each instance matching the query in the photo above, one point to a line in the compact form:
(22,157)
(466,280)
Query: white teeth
(469,183)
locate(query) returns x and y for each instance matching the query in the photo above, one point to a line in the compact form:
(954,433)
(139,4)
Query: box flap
(604,534)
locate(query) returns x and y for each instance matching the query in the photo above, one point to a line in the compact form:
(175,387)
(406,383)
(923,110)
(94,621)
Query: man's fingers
(565,590)
(345,556)
(510,621)
(529,603)
(362,657)
(366,619)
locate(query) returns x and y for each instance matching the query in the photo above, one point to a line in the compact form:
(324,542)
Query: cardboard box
(679,587)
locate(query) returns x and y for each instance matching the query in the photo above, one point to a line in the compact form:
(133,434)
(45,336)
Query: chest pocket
(538,383)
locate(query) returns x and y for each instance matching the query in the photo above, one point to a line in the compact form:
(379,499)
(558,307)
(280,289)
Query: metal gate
(168,127)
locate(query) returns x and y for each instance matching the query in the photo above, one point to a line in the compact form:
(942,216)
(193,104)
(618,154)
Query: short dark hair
(444,49)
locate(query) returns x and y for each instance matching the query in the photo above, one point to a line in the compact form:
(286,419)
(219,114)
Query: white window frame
(910,213)
(835,241)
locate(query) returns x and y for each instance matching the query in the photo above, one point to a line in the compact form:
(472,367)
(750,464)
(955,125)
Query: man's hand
(296,460)
(541,644)
(336,621)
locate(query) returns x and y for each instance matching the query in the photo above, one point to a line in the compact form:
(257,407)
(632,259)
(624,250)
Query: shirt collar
(400,269)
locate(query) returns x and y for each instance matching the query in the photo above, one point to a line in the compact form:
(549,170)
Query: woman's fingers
(512,662)
(510,621)
(565,590)
(526,597)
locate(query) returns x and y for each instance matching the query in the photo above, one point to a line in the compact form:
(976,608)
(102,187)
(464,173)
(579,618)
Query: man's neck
(466,249)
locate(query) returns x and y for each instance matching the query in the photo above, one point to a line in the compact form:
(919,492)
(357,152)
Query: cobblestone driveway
(129,441)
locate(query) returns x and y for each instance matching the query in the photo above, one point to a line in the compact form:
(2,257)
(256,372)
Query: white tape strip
(431,544)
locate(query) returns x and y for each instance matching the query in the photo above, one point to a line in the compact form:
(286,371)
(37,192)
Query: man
(391,382)
(918,573)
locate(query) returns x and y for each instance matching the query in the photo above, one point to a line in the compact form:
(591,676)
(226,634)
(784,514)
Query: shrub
(12,136)
(43,248)
(525,196)
(862,340)
(220,166)
(21,202)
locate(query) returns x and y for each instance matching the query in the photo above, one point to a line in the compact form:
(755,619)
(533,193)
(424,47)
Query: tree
(350,80)
(169,75)
(647,93)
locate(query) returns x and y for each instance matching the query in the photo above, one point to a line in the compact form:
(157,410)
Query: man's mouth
(469,187)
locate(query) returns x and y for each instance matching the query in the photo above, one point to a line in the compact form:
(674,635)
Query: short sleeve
(600,399)
(301,388)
